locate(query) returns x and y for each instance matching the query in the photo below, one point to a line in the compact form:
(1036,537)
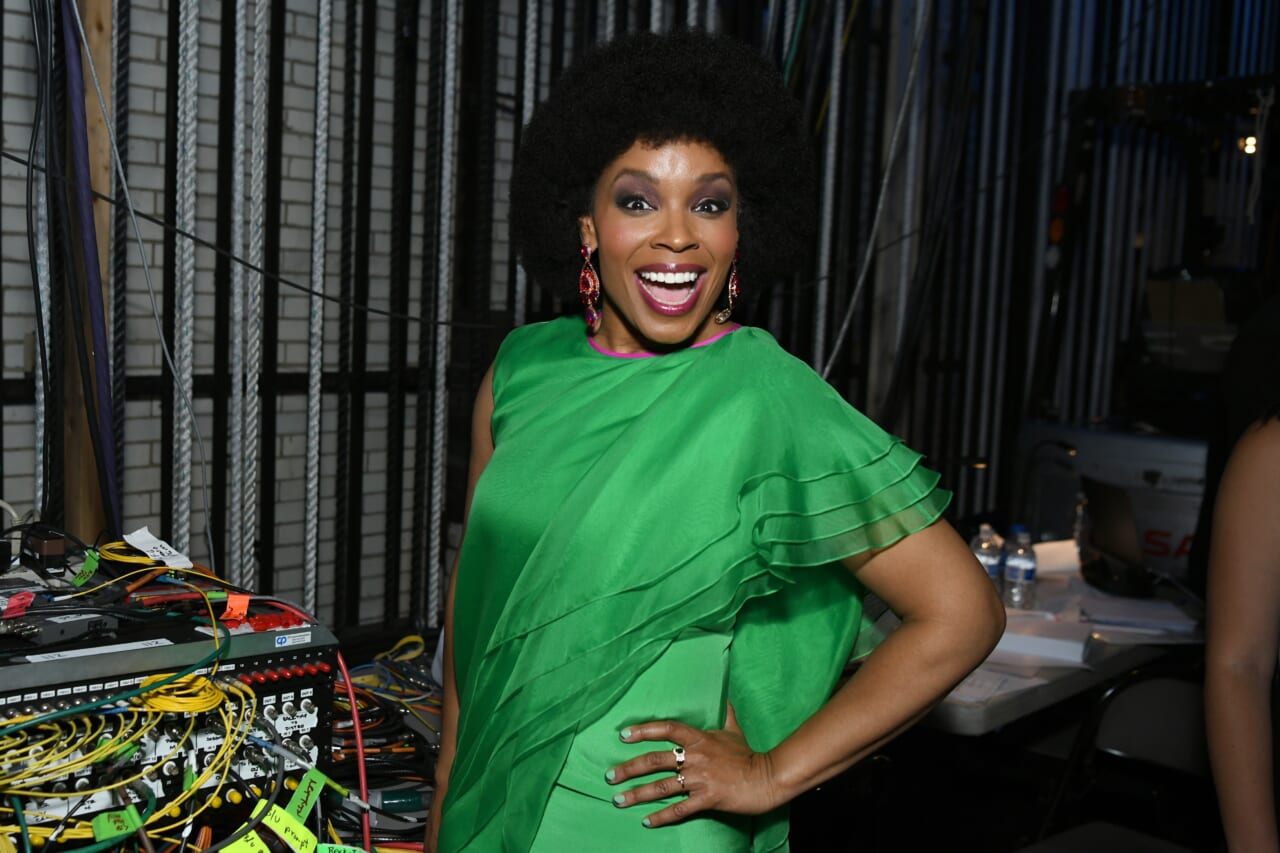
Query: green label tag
(338,848)
(112,825)
(290,831)
(305,796)
(250,842)
(86,571)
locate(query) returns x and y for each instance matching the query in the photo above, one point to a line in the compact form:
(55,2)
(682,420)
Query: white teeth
(676,278)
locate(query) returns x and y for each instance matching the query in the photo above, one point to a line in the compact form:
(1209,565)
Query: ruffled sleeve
(832,484)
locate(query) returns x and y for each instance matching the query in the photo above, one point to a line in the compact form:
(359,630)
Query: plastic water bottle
(1020,571)
(989,550)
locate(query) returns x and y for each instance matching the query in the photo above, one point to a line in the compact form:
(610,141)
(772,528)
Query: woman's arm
(951,619)
(481,451)
(1243,634)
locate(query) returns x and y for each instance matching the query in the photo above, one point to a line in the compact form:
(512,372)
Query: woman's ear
(587,231)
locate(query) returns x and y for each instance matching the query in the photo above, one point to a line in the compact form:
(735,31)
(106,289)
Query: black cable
(817,85)
(75,808)
(961,103)
(401,767)
(188,828)
(342,518)
(74,284)
(53,499)
(269,319)
(253,822)
(225,381)
(107,779)
(137,614)
(41,525)
(166,318)
(402,157)
(347,576)
(428,288)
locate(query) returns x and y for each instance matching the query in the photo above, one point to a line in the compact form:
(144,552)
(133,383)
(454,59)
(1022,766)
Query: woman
(647,618)
(1243,619)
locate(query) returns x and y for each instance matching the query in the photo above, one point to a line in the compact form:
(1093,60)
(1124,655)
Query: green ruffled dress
(654,536)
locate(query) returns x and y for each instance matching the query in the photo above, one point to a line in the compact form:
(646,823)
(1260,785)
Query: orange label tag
(237,607)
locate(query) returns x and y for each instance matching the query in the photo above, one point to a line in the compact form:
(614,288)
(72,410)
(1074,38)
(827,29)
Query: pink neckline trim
(711,340)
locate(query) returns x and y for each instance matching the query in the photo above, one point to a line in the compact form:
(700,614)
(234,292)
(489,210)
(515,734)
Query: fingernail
(611,775)
(624,734)
(647,824)
(619,800)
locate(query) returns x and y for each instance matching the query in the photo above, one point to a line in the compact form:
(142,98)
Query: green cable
(795,41)
(22,824)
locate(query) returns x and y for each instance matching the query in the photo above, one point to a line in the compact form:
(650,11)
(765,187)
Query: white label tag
(299,639)
(157,549)
(96,650)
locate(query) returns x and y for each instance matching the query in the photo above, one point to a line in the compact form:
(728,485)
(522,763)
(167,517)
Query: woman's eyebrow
(715,176)
(635,173)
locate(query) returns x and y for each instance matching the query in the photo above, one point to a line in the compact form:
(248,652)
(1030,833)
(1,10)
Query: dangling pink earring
(734,290)
(589,289)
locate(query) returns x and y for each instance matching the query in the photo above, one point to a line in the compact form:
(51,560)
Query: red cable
(360,768)
(355,724)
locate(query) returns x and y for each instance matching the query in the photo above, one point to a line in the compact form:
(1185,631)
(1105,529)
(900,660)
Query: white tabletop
(995,696)
(1056,652)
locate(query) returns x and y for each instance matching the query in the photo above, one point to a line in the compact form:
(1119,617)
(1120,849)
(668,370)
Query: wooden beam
(98,20)
(86,516)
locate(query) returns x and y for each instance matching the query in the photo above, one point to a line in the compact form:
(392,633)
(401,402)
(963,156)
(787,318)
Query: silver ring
(678,752)
(680,779)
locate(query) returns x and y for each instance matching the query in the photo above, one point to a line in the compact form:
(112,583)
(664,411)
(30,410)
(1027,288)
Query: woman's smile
(671,289)
(664,232)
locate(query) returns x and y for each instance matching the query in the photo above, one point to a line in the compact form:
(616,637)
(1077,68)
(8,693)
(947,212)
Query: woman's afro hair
(656,89)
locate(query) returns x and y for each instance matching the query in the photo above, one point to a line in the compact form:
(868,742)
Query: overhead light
(1248,144)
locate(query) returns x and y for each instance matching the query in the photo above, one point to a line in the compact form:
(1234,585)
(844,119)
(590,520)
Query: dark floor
(934,791)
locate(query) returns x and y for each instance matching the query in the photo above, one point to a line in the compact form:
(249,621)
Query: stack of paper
(1043,641)
(984,684)
(1150,614)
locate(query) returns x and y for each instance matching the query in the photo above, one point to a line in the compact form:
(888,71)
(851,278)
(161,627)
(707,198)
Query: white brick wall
(148,60)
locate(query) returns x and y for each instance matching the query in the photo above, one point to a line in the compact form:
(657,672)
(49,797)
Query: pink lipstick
(670,289)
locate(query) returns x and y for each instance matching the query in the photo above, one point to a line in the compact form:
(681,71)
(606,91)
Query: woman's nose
(675,233)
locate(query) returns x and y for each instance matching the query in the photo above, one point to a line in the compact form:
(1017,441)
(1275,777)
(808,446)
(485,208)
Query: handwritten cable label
(305,796)
(157,549)
(287,829)
(111,825)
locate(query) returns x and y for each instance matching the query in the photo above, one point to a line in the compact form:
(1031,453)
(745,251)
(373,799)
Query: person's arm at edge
(1243,633)
(481,451)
